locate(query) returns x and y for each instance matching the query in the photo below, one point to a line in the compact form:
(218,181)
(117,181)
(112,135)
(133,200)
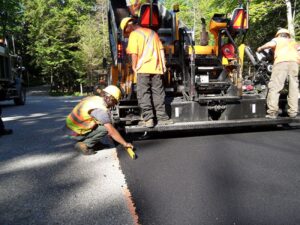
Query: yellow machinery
(204,83)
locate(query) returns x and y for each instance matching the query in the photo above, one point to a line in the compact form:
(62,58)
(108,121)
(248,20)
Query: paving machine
(205,84)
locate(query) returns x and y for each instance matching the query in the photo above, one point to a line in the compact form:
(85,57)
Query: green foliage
(10,17)
(297,21)
(64,41)
(266,17)
(11,14)
(191,12)
(53,31)
(89,58)
(263,26)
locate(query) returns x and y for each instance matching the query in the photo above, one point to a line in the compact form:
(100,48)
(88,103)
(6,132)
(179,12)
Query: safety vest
(285,50)
(146,44)
(79,120)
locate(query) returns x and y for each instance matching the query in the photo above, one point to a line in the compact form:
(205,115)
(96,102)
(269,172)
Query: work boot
(83,148)
(293,115)
(6,132)
(165,122)
(148,123)
(271,116)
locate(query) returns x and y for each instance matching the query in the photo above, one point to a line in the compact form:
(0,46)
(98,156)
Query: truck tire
(21,99)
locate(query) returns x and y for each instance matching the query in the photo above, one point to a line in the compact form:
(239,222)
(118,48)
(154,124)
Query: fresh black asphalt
(242,176)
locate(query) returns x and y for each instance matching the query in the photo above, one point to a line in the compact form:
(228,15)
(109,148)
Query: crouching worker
(90,124)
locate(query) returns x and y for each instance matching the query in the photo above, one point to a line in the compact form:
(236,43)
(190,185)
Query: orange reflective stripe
(78,121)
(78,113)
(77,118)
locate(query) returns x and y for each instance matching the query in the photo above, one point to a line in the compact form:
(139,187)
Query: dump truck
(11,83)
(205,84)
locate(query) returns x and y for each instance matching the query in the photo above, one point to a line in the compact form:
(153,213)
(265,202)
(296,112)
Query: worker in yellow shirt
(285,67)
(148,62)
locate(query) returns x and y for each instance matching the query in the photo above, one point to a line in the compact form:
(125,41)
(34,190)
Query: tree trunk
(290,19)
(81,89)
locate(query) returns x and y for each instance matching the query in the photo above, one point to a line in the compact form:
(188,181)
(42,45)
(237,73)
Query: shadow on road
(44,181)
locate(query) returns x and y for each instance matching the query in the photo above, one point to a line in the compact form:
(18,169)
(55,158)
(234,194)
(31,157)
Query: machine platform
(179,126)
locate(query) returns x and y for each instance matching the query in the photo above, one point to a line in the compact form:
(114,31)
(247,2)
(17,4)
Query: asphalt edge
(127,194)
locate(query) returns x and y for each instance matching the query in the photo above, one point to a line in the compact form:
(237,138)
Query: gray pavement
(44,181)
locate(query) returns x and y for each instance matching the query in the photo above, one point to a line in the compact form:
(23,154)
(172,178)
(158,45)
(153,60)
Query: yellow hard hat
(283,31)
(113,91)
(124,22)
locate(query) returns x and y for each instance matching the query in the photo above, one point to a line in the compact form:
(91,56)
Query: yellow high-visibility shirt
(146,44)
(285,50)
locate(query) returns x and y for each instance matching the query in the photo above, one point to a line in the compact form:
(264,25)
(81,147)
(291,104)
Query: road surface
(44,181)
(241,176)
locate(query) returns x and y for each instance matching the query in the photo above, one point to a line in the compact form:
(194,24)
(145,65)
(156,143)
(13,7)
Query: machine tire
(21,99)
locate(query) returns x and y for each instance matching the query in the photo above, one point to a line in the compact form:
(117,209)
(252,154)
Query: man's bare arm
(114,133)
(270,44)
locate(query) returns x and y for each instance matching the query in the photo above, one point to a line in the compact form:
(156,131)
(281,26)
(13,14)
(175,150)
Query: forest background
(64,42)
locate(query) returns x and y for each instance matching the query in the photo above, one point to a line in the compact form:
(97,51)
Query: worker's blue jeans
(97,136)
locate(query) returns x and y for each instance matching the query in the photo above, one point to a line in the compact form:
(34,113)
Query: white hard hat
(113,91)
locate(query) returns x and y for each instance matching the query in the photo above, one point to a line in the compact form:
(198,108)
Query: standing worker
(148,62)
(89,122)
(286,60)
